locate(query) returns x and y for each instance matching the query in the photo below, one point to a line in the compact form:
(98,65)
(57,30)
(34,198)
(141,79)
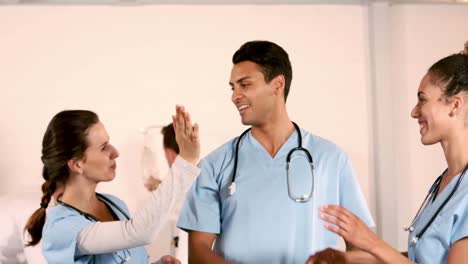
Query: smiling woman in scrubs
(88,227)
(439,234)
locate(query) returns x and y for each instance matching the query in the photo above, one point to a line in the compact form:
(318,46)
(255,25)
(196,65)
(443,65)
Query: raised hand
(186,135)
(349,226)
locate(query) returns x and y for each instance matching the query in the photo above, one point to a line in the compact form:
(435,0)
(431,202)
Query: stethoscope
(127,255)
(432,194)
(298,199)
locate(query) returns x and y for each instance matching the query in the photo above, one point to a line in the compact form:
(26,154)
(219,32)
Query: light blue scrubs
(61,231)
(450,225)
(259,223)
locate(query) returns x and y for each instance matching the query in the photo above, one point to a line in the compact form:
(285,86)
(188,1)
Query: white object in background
(16,211)
(153,161)
(179,245)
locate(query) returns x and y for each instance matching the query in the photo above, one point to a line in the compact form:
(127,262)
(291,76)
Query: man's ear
(278,84)
(75,165)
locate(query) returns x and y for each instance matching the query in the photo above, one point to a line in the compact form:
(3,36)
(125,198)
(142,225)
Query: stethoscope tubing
(299,199)
(91,217)
(434,188)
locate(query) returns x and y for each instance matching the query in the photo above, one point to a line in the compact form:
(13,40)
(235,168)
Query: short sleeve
(60,235)
(201,209)
(351,196)
(460,225)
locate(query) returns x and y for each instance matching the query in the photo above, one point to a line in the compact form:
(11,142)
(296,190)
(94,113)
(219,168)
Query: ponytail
(36,221)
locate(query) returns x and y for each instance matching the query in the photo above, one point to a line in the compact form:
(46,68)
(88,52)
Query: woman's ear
(75,165)
(457,105)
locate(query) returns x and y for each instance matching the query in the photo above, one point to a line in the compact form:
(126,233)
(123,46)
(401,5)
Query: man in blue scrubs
(256,221)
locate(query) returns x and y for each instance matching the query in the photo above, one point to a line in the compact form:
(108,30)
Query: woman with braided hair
(89,227)
(439,231)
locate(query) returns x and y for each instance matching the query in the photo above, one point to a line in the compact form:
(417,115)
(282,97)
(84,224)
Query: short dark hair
(64,139)
(451,73)
(272,59)
(169,140)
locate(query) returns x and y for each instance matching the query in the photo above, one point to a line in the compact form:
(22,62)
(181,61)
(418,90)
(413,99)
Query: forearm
(201,254)
(359,256)
(386,254)
(354,255)
(103,237)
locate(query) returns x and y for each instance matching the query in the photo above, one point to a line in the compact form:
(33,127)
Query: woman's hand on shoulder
(346,224)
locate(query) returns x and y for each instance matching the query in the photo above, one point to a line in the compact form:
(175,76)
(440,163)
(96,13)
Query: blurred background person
(177,240)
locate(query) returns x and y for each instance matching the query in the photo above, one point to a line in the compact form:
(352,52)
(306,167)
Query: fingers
(338,216)
(179,119)
(182,122)
(346,224)
(195,132)
(338,226)
(187,123)
(187,135)
(337,211)
(340,220)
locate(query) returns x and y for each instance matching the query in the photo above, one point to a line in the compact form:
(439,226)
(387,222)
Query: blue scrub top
(259,223)
(61,231)
(450,225)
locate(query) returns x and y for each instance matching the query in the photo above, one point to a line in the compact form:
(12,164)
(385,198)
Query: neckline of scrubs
(112,207)
(433,206)
(284,149)
(433,235)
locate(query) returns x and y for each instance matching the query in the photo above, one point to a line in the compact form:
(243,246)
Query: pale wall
(133,64)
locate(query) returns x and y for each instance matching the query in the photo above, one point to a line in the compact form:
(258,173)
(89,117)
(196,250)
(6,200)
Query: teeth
(242,107)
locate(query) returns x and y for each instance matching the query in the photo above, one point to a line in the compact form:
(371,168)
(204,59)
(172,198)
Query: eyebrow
(240,80)
(105,143)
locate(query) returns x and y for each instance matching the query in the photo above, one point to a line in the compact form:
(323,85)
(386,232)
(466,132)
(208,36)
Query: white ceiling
(215,2)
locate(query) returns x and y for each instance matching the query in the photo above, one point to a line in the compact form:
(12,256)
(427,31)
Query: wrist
(378,248)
